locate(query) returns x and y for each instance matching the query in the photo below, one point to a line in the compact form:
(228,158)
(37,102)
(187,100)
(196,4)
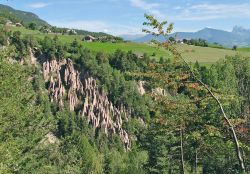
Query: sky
(119,17)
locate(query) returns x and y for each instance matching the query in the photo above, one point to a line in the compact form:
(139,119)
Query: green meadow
(138,48)
(245,49)
(204,55)
(208,55)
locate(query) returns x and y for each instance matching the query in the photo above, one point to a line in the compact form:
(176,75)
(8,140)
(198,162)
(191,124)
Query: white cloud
(148,7)
(38,5)
(201,12)
(178,8)
(105,30)
(195,12)
(144,5)
(99,26)
(96,26)
(225,9)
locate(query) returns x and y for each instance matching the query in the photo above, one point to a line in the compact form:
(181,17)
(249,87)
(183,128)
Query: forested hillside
(32,21)
(20,16)
(66,109)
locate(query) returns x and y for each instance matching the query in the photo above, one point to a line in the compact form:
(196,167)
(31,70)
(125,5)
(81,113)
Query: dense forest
(172,122)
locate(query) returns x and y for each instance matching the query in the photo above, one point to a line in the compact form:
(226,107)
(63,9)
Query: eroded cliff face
(141,88)
(82,93)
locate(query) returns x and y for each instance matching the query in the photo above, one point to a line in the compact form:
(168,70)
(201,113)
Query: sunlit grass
(204,55)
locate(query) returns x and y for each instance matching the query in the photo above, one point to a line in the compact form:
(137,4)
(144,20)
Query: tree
(171,39)
(185,41)
(3,36)
(234,47)
(160,30)
(32,26)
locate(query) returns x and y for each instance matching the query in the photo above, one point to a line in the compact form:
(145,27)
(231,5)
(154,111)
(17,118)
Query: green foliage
(3,36)
(26,119)
(21,48)
(196,42)
(23,123)
(173,101)
(171,39)
(52,48)
(152,22)
(20,16)
(124,61)
(110,71)
(32,26)
(212,123)
(234,48)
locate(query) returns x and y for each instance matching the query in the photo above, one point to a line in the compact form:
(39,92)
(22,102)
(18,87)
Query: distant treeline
(202,43)
(196,42)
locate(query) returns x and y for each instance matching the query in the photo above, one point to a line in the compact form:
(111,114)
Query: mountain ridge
(21,16)
(238,36)
(24,17)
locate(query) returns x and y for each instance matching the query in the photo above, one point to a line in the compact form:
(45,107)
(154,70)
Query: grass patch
(204,55)
(246,49)
(137,48)
(207,55)
(108,47)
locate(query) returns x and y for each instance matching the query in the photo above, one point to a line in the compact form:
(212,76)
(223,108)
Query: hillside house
(180,42)
(89,38)
(9,23)
(19,25)
(71,32)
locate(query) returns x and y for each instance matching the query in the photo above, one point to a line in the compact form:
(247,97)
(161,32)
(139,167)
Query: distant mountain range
(132,37)
(238,36)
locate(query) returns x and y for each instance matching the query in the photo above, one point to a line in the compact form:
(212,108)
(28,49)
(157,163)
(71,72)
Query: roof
(9,22)
(91,37)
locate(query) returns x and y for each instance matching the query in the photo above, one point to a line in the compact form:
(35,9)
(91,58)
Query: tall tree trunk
(182,153)
(196,162)
(170,166)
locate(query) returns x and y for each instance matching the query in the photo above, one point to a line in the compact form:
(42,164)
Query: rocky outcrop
(82,93)
(33,59)
(51,73)
(141,87)
(159,91)
(50,138)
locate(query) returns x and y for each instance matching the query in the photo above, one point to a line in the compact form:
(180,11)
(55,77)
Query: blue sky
(126,16)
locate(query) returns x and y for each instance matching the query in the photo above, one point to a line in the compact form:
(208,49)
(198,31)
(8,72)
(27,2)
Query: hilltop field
(207,55)
(204,55)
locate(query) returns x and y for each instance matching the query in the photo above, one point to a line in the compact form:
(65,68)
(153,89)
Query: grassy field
(204,55)
(246,49)
(108,47)
(137,48)
(207,55)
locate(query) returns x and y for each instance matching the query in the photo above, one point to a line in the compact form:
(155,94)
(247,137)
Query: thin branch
(236,142)
(155,24)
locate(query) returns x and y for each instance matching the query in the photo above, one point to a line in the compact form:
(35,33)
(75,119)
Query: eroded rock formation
(159,91)
(82,93)
(141,87)
(50,138)
(33,59)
